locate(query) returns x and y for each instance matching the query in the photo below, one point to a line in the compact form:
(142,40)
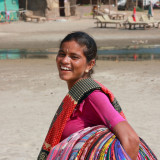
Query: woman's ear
(91,64)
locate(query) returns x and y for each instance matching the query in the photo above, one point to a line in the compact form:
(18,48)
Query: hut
(9,10)
(55,8)
(47,8)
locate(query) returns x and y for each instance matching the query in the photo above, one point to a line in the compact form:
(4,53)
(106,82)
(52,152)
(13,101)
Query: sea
(110,54)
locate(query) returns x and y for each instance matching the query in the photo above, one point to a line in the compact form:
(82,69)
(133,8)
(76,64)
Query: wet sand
(31,91)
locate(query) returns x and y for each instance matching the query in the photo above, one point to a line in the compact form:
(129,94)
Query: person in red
(134,14)
(88,103)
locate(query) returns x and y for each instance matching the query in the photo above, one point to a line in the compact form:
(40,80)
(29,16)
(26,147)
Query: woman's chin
(69,79)
(65,78)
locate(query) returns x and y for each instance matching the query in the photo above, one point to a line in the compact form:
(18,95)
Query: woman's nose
(66,59)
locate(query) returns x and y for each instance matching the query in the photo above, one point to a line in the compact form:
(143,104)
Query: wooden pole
(5,7)
(26,4)
(98,5)
(116,5)
(143,4)
(109,7)
(136,3)
(91,4)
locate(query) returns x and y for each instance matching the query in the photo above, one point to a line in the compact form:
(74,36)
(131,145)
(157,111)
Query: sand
(20,35)
(31,91)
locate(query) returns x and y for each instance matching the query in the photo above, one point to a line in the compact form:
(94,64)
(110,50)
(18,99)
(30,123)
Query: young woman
(87,104)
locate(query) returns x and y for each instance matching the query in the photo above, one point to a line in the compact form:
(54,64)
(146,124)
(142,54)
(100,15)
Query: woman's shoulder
(96,94)
(95,98)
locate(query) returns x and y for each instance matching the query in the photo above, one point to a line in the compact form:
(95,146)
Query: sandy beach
(28,35)
(31,90)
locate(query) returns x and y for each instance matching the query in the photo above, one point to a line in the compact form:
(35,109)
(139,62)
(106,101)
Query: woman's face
(72,63)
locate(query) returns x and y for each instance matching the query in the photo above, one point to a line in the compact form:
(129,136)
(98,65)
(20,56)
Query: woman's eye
(61,54)
(74,57)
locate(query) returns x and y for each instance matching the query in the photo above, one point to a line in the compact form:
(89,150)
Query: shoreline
(101,44)
(131,53)
(136,45)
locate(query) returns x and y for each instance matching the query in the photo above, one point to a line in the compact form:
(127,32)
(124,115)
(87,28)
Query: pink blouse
(96,109)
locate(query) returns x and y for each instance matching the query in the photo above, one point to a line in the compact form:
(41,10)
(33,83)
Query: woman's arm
(113,120)
(128,138)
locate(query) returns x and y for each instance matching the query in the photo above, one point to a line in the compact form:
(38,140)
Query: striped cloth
(96,143)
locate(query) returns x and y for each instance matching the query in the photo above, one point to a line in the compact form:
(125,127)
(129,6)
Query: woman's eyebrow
(61,50)
(75,54)
(71,53)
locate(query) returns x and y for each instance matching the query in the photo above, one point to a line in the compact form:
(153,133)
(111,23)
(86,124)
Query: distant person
(89,114)
(150,10)
(8,16)
(95,11)
(134,14)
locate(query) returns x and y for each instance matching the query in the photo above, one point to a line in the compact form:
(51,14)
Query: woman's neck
(71,83)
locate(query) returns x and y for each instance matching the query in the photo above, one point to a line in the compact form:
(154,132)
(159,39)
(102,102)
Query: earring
(86,71)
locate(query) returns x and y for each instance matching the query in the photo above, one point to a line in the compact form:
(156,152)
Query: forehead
(72,45)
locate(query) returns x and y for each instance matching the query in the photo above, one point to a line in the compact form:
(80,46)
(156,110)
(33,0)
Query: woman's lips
(65,68)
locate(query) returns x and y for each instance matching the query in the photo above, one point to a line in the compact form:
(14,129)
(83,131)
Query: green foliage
(88,14)
(139,9)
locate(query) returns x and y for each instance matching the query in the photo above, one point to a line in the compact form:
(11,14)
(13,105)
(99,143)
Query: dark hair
(83,39)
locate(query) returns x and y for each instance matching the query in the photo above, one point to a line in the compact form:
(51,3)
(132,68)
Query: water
(25,53)
(130,54)
(150,53)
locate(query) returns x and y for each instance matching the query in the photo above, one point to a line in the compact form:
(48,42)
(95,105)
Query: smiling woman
(89,123)
(72,63)
(78,54)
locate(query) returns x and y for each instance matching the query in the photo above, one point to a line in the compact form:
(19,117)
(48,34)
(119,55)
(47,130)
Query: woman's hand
(128,138)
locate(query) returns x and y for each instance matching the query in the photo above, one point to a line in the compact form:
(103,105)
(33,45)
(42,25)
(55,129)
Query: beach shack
(9,10)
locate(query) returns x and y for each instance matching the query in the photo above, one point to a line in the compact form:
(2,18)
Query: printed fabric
(96,143)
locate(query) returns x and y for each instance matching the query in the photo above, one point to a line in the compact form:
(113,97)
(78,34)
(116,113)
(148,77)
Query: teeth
(65,68)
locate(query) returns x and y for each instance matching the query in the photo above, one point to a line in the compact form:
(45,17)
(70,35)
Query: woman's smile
(63,68)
